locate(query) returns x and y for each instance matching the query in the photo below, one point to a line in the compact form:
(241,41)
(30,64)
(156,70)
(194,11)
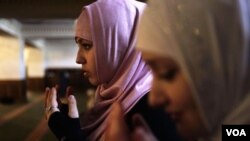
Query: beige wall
(34,61)
(10,58)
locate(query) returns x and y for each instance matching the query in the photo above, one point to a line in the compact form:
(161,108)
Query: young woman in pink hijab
(105,34)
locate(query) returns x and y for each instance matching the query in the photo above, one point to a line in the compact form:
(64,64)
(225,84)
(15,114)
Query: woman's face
(171,91)
(86,57)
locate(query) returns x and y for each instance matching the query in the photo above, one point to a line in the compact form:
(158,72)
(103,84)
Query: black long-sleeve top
(68,129)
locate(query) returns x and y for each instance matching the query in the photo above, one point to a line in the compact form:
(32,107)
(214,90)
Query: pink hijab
(123,74)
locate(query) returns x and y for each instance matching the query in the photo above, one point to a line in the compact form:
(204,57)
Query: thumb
(139,121)
(142,131)
(73,111)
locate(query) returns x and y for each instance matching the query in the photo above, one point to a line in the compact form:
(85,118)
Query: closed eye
(168,75)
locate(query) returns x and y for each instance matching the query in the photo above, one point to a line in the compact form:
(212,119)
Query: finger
(73,111)
(69,91)
(48,102)
(142,131)
(57,96)
(53,97)
(51,105)
(138,121)
(140,134)
(57,87)
(46,96)
(116,129)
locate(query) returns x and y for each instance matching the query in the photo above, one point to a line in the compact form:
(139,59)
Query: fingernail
(71,97)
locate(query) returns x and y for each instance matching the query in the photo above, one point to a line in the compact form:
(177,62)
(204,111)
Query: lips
(174,116)
(85,73)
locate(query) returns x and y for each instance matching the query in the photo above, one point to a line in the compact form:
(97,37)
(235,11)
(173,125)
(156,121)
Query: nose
(158,97)
(80,58)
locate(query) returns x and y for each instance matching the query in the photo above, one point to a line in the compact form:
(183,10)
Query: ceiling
(48,19)
(41,9)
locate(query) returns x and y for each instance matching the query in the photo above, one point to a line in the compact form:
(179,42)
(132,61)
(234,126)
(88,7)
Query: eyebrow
(150,63)
(78,39)
(157,63)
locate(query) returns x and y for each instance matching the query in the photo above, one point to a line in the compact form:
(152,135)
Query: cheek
(94,77)
(190,123)
(93,81)
(179,93)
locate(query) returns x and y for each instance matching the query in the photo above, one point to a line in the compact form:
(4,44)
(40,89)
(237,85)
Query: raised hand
(51,104)
(117,129)
(64,125)
(141,132)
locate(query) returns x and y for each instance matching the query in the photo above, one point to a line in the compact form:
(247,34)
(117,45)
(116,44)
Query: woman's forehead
(153,58)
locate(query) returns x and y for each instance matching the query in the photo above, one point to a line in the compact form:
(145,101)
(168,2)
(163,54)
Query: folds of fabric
(210,40)
(123,74)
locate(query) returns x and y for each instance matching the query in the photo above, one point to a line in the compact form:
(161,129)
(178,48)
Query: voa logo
(236,132)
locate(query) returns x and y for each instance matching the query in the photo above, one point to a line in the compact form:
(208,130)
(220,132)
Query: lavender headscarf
(123,74)
(210,39)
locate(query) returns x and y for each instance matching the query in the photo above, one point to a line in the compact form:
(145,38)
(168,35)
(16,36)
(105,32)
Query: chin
(93,81)
(187,135)
(191,132)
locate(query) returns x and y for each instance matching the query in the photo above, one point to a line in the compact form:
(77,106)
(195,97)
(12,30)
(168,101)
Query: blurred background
(37,49)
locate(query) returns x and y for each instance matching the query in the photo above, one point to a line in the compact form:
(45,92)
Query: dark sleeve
(159,122)
(65,128)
